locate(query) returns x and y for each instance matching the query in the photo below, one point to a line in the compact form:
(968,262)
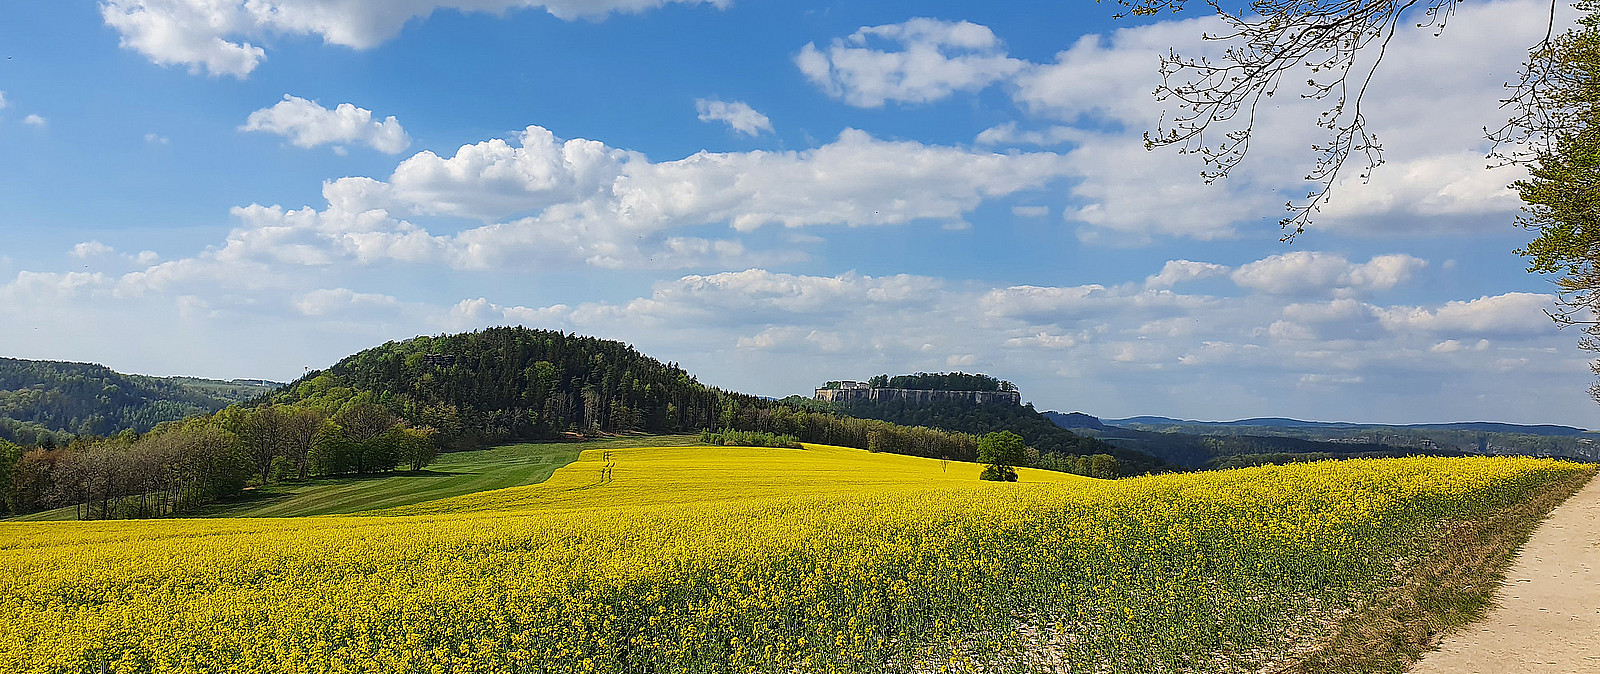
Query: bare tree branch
(1275,38)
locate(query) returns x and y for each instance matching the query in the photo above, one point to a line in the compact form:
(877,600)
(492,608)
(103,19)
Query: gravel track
(1546,616)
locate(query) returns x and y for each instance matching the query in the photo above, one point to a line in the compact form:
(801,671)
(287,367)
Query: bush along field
(729,559)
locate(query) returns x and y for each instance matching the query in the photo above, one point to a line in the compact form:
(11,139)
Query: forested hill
(503,383)
(42,400)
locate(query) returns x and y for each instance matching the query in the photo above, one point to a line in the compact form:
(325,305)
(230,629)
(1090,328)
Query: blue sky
(771,194)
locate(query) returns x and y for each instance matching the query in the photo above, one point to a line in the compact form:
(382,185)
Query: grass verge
(1450,582)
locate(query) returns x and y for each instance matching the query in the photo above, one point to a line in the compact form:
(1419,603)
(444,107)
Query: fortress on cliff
(851,391)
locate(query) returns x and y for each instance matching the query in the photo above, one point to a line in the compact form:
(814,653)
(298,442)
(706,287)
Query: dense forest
(48,400)
(515,383)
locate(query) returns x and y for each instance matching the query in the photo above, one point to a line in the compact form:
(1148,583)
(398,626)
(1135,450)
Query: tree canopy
(1559,120)
(1001,452)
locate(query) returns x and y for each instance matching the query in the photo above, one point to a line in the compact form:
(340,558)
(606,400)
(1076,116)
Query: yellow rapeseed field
(718,559)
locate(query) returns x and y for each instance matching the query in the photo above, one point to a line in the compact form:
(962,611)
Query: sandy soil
(1547,612)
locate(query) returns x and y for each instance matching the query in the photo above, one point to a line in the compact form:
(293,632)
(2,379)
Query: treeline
(938,381)
(1250,460)
(168,471)
(503,384)
(1234,445)
(827,428)
(748,439)
(1104,466)
(976,419)
(55,400)
(178,467)
(811,421)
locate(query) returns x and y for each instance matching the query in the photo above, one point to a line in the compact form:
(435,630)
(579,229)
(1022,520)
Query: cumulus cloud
(215,35)
(307,124)
(2,100)
(738,115)
(1311,272)
(33,120)
(1430,102)
(930,60)
(545,200)
(88,249)
(1514,313)
(1183,271)
(342,301)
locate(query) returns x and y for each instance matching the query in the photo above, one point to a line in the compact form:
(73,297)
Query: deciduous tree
(1001,452)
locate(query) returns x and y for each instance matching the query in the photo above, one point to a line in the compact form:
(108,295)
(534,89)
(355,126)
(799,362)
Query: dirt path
(1547,613)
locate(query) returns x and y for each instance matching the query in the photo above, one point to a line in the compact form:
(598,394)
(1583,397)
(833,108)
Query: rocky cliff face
(920,396)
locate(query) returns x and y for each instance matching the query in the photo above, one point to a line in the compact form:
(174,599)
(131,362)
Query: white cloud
(156,139)
(215,35)
(89,249)
(1330,380)
(935,59)
(738,115)
(33,120)
(2,100)
(307,124)
(1310,272)
(547,201)
(1030,211)
(1042,340)
(1455,345)
(1009,134)
(337,301)
(1183,271)
(1506,314)
(51,286)
(1429,103)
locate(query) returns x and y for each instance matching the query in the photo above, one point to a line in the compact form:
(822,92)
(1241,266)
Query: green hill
(501,384)
(53,400)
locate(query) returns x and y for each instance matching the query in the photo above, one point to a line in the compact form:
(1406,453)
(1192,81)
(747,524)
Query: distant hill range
(1227,443)
(1155,423)
(51,400)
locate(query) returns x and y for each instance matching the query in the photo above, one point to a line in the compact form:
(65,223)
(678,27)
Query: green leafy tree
(1559,116)
(1001,452)
(331,450)
(414,447)
(10,457)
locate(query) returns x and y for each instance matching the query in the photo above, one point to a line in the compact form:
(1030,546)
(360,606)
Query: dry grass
(1449,583)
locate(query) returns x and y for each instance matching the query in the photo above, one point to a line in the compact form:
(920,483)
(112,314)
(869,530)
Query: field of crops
(747,560)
